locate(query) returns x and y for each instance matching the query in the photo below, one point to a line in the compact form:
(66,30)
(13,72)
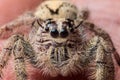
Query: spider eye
(64,33)
(54,33)
(71,30)
(70,24)
(47,28)
(48,25)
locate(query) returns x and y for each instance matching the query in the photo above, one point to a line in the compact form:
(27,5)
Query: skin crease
(103,13)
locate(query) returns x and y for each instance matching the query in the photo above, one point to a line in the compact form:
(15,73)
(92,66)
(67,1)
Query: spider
(62,42)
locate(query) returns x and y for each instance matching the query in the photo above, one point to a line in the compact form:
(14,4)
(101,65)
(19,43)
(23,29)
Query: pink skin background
(104,13)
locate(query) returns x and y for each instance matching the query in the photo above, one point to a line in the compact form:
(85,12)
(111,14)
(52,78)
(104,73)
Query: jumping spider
(61,42)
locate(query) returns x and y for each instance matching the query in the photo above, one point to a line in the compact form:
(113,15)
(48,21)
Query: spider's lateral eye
(46,28)
(70,24)
(54,33)
(71,30)
(49,24)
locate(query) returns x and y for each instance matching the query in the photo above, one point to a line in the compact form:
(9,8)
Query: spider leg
(25,19)
(104,62)
(19,58)
(22,51)
(6,52)
(105,36)
(99,61)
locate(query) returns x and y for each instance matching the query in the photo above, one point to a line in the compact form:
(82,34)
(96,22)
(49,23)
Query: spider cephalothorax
(59,39)
(61,42)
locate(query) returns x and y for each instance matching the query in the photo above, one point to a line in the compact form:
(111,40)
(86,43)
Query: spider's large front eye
(54,33)
(64,33)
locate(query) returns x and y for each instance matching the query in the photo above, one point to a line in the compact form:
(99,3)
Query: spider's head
(58,18)
(59,30)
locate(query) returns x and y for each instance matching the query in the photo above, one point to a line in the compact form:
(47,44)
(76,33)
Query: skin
(104,14)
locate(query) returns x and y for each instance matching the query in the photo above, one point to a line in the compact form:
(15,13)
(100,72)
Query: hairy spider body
(61,42)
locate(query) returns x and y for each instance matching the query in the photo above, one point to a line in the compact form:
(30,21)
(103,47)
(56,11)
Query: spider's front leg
(21,50)
(99,60)
(104,62)
(6,52)
(18,51)
(25,19)
(104,35)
